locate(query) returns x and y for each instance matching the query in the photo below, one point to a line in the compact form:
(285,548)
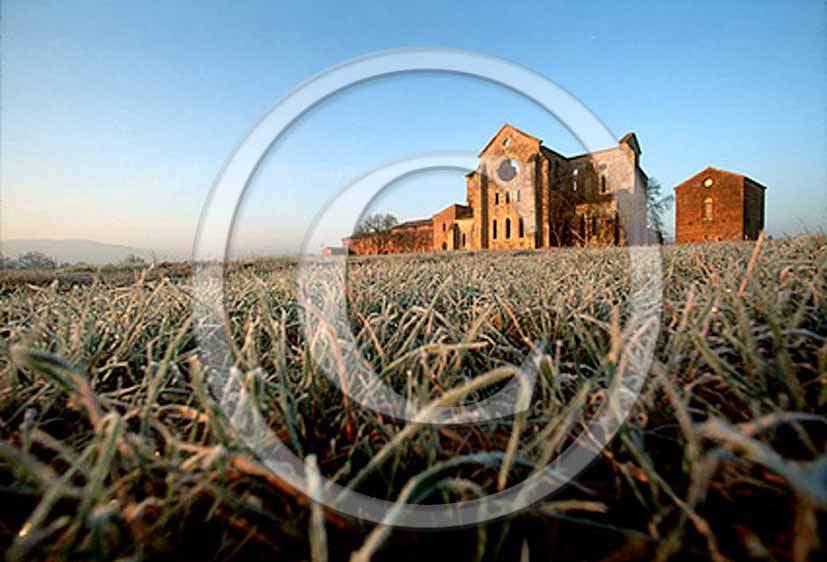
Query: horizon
(117,120)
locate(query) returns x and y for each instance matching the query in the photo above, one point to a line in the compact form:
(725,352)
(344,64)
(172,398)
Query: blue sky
(116,117)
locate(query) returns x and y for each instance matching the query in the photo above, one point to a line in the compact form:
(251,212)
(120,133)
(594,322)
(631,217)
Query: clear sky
(117,117)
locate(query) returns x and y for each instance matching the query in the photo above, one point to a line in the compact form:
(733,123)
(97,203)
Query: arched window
(708,209)
(443,227)
(521,227)
(508,228)
(496,198)
(494,230)
(445,245)
(602,184)
(507,197)
(594,225)
(463,239)
(518,196)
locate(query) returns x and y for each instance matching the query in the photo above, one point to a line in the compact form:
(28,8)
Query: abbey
(525,195)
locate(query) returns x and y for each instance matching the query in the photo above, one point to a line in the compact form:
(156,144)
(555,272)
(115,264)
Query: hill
(75,251)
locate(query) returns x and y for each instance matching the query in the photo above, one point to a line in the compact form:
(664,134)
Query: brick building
(718,205)
(411,236)
(525,195)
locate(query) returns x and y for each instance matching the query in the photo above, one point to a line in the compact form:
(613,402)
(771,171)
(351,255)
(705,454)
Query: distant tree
(656,205)
(378,227)
(376,223)
(35,260)
(133,259)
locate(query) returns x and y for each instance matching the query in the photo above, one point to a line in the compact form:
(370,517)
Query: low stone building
(334,251)
(452,228)
(525,195)
(718,205)
(411,236)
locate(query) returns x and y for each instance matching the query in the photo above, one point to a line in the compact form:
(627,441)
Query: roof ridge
(500,130)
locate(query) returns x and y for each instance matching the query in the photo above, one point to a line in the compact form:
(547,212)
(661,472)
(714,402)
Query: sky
(116,118)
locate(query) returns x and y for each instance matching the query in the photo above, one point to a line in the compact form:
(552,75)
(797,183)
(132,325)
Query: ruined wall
(614,170)
(726,192)
(523,195)
(607,177)
(598,224)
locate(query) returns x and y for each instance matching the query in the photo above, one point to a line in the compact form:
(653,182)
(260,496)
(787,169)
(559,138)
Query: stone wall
(598,224)
(399,240)
(504,191)
(477,199)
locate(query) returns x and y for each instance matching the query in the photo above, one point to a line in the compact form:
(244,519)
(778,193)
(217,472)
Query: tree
(133,259)
(376,223)
(656,205)
(376,230)
(35,260)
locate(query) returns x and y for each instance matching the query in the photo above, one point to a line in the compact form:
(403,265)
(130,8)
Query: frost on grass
(114,444)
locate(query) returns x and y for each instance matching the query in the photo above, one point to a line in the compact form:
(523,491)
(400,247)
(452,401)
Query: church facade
(717,205)
(524,195)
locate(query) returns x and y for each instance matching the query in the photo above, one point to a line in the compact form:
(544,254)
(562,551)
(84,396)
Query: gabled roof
(762,186)
(710,169)
(630,138)
(460,211)
(509,127)
(414,223)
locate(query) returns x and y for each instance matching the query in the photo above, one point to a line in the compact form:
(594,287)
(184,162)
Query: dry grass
(112,446)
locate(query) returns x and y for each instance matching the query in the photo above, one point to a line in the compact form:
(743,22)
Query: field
(113,446)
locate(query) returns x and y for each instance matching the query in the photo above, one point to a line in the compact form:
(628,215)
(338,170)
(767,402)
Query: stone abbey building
(524,195)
